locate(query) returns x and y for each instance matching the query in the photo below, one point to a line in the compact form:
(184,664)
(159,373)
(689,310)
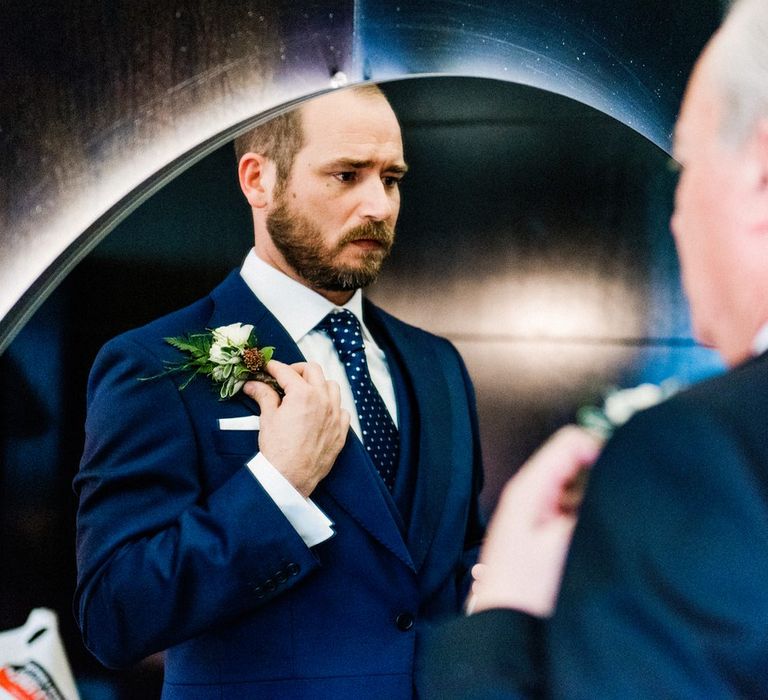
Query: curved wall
(105,100)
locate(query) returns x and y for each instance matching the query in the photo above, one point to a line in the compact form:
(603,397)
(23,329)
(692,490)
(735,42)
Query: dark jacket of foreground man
(665,591)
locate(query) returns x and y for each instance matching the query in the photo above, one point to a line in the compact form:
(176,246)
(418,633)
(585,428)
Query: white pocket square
(239,423)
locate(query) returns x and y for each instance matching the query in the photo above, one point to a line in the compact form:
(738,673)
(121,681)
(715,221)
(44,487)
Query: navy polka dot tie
(379,432)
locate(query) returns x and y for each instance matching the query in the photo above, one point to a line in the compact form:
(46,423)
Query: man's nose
(376,201)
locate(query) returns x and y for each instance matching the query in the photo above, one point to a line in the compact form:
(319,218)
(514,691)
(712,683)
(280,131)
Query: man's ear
(257,175)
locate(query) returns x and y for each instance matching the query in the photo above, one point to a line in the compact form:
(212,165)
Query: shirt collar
(298,308)
(760,343)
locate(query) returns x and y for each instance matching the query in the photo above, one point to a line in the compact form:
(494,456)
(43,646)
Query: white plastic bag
(33,665)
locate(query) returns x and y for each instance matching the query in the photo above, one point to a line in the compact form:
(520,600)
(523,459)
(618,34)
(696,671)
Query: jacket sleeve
(475,523)
(664,589)
(163,555)
(493,655)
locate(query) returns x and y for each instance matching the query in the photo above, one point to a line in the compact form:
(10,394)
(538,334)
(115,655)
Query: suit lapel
(352,482)
(432,414)
(357,489)
(234,302)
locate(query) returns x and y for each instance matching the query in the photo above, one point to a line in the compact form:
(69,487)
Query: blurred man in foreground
(664,590)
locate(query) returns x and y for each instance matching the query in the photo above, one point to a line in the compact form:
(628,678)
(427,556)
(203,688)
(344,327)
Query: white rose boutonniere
(620,405)
(227,354)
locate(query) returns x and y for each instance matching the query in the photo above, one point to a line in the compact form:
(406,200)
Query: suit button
(269,585)
(293,569)
(281,576)
(404,621)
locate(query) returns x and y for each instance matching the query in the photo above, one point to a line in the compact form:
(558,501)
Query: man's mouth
(368,244)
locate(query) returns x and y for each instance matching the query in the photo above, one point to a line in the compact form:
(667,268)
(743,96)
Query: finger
(581,445)
(573,491)
(580,450)
(334,392)
(312,373)
(560,533)
(586,443)
(263,394)
(342,427)
(478,570)
(345,421)
(567,452)
(536,490)
(469,606)
(286,376)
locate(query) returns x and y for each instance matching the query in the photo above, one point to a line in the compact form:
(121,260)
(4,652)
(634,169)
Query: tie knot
(343,328)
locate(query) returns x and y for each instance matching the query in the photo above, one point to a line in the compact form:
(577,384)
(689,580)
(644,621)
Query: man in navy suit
(664,592)
(271,549)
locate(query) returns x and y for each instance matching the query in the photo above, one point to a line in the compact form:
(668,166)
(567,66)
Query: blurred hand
(522,558)
(302,434)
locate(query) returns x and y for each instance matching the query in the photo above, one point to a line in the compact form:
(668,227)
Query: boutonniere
(228,355)
(619,405)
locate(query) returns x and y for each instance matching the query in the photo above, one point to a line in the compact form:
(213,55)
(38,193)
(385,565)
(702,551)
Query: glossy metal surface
(627,58)
(105,100)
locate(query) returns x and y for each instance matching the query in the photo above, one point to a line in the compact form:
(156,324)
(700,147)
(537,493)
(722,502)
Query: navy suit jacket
(665,590)
(180,549)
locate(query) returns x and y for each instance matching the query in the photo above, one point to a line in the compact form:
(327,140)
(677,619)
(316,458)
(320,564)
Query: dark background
(533,234)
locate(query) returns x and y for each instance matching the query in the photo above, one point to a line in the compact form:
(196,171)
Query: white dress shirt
(299,309)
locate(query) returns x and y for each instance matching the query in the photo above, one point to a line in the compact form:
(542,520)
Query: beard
(300,241)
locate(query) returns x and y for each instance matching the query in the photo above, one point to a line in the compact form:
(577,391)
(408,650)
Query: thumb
(561,457)
(263,394)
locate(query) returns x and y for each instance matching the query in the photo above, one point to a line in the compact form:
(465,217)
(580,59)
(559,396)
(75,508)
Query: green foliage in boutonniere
(621,404)
(228,355)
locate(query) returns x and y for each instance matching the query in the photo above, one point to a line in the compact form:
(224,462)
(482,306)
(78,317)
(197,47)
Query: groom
(291,544)
(664,592)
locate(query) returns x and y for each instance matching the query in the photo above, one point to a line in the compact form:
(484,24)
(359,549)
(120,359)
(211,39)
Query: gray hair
(739,62)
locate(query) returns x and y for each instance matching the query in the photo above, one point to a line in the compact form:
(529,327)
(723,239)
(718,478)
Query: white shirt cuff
(307,519)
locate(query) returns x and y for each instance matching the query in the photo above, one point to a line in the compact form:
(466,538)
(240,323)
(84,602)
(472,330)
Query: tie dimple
(379,432)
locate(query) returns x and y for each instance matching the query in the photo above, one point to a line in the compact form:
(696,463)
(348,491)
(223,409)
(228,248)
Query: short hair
(282,137)
(739,62)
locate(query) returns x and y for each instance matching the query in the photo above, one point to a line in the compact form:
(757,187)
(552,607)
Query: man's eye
(391,180)
(346,176)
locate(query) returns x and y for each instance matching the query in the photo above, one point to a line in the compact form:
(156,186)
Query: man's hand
(524,552)
(301,435)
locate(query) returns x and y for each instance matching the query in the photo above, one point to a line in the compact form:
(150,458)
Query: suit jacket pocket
(236,442)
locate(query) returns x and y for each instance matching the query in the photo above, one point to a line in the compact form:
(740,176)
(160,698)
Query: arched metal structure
(546,217)
(103,101)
